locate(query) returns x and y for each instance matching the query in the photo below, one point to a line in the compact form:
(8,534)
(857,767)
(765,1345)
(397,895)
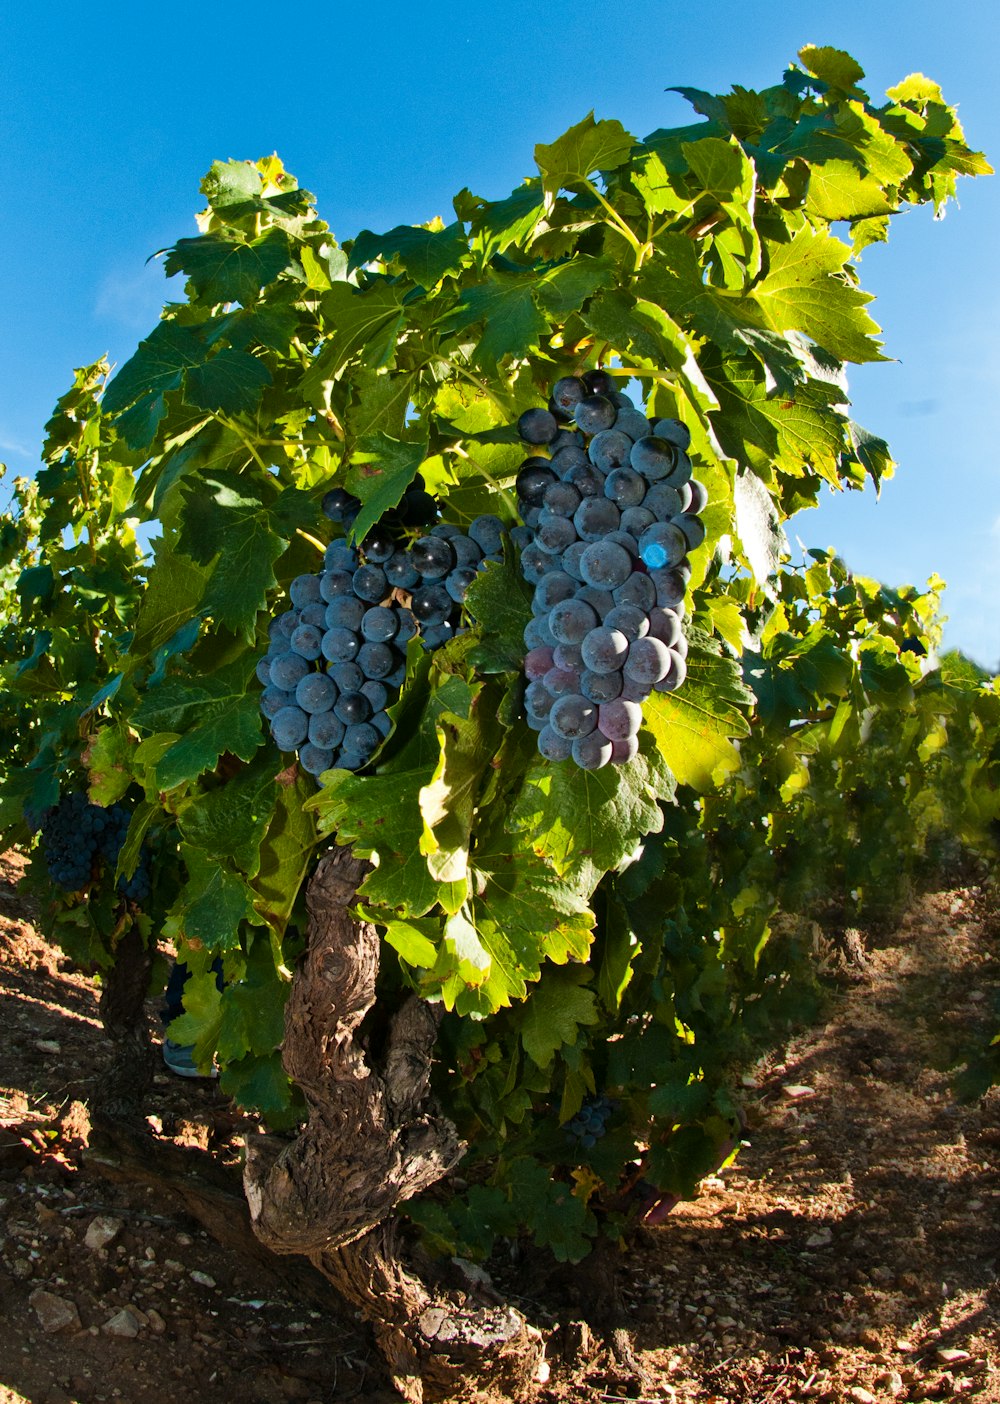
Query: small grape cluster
(77,835)
(591,1121)
(337,657)
(614,511)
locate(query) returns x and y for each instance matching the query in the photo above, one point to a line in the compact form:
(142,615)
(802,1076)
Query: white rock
(102,1231)
(797,1091)
(202,1279)
(822,1238)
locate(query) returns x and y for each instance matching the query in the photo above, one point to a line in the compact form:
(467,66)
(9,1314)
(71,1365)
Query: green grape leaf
(382,470)
(108,759)
(209,715)
(557,1217)
(230,822)
(499,599)
(198,1027)
(262,1085)
(449,800)
(136,396)
(833,66)
(558,1007)
(211,906)
(586,822)
(694,726)
(758,526)
(231,382)
(512,323)
(286,853)
(589,146)
(227,525)
(252,1008)
(223,270)
(360,322)
(172,597)
(427,255)
(808,289)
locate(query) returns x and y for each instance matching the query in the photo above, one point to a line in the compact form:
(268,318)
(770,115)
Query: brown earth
(850,1254)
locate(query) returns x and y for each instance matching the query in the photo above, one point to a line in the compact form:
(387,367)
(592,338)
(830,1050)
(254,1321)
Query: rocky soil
(850,1254)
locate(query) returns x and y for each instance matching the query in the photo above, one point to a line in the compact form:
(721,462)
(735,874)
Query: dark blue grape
(648,661)
(289,727)
(316,693)
(325,730)
(692,527)
(304,590)
(561,499)
(347,676)
(653,457)
(537,634)
(604,650)
(379,625)
(635,520)
(673,431)
(458,582)
(573,716)
(625,487)
(567,393)
(362,740)
(591,752)
(487,532)
(377,694)
(534,479)
(637,590)
(315,759)
(287,670)
(628,620)
(554,534)
(340,645)
(599,382)
(662,546)
(537,426)
(378,546)
(306,641)
(376,660)
(554,586)
(431,604)
(467,552)
(264,671)
(594,413)
(340,506)
(433,557)
(400,571)
(272,699)
(595,518)
(335,584)
(570,620)
(606,565)
(351,708)
(553,746)
(370,584)
(600,687)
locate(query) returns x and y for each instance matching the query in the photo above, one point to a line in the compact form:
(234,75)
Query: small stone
(822,1238)
(124,1323)
(797,1091)
(202,1279)
(54,1313)
(102,1231)
(861,1395)
(48,1045)
(949,1356)
(905,1346)
(156,1322)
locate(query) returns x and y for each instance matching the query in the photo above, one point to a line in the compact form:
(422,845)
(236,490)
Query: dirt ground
(849,1255)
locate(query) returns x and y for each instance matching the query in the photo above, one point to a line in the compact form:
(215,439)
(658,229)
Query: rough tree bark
(124,1086)
(373,1140)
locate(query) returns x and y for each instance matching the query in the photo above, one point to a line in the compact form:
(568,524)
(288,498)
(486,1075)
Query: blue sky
(111,116)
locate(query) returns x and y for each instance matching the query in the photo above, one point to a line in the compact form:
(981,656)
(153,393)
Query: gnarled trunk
(372,1141)
(124,1086)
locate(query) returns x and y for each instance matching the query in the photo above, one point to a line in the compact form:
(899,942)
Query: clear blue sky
(111,116)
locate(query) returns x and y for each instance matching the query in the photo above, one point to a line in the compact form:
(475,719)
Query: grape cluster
(591,1121)
(337,658)
(77,835)
(614,512)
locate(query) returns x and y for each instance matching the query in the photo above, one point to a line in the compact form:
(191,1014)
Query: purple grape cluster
(591,1121)
(337,658)
(614,510)
(77,835)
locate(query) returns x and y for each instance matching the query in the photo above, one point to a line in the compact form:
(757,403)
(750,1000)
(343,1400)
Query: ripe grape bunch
(77,835)
(591,1121)
(614,511)
(337,658)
